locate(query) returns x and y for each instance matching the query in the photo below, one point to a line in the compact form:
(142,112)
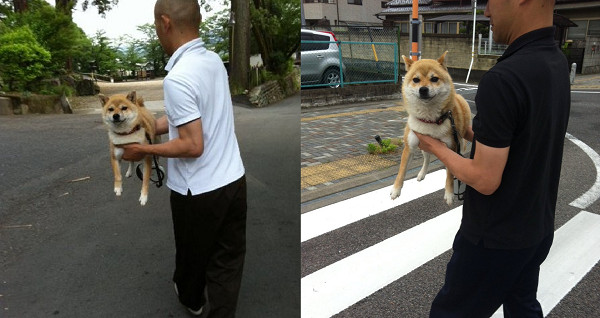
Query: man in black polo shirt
(513,173)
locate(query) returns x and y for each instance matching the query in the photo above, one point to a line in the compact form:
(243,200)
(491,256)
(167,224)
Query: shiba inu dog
(430,100)
(128,121)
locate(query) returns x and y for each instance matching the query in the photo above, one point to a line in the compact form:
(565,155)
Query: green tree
(102,58)
(275,25)
(151,49)
(23,61)
(55,31)
(67,6)
(214,31)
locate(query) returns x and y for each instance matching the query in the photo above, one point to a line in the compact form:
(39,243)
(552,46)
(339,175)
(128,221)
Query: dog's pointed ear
(132,96)
(442,59)
(103,99)
(407,62)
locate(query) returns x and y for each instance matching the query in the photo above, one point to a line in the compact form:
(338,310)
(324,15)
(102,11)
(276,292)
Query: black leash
(160,172)
(459,187)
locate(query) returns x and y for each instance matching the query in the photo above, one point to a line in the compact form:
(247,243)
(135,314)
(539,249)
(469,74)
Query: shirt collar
(181,50)
(543,34)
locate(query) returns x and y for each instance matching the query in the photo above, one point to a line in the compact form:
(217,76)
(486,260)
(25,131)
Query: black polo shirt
(523,102)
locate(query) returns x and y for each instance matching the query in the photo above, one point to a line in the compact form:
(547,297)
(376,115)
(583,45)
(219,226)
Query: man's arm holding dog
(189,144)
(483,172)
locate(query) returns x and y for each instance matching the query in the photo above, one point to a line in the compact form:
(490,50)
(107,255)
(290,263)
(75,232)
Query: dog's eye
(110,109)
(434,79)
(124,108)
(416,80)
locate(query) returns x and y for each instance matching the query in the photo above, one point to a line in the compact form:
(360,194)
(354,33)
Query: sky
(124,18)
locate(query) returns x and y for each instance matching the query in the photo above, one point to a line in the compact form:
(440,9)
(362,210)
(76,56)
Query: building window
(579,31)
(404,27)
(357,2)
(594,28)
(429,27)
(453,28)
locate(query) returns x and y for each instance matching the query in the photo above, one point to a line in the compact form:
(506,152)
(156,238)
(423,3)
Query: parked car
(320,62)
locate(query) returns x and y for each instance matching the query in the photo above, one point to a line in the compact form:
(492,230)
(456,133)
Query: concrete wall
(458,47)
(591,58)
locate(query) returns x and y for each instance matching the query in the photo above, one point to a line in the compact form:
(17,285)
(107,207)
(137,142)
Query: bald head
(176,22)
(184,14)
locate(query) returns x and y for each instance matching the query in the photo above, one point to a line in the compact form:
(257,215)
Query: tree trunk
(239,53)
(20,6)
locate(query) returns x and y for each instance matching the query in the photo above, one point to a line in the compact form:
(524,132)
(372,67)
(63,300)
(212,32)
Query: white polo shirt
(197,87)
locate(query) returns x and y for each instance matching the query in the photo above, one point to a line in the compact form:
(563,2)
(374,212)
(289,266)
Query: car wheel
(332,77)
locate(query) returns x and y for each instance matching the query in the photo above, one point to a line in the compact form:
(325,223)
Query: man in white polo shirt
(205,171)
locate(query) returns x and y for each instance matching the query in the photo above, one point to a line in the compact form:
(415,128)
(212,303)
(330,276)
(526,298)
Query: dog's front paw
(421,175)
(118,191)
(143,199)
(395,193)
(449,197)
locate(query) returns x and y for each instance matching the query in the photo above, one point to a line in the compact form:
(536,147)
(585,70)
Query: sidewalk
(586,82)
(334,156)
(334,140)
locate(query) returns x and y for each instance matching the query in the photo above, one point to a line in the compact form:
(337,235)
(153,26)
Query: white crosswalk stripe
(338,286)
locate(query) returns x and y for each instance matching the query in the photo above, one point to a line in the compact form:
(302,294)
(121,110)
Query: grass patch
(387,146)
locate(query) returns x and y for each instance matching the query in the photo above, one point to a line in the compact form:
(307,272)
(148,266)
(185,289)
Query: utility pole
(415,51)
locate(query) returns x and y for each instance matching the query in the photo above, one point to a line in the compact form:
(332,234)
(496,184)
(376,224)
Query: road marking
(593,193)
(331,217)
(576,249)
(587,92)
(336,287)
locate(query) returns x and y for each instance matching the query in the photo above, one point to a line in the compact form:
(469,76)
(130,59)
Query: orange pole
(415,30)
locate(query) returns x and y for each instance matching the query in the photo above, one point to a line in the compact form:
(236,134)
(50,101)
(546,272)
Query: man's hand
(428,144)
(132,152)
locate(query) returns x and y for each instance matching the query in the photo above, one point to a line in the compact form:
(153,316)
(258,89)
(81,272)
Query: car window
(313,46)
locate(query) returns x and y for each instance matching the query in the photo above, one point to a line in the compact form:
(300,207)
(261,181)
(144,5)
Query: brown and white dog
(429,95)
(128,121)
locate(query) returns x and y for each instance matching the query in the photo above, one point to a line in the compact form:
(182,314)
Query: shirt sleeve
(498,108)
(180,101)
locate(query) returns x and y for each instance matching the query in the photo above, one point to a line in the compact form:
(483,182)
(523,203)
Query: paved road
(364,255)
(70,248)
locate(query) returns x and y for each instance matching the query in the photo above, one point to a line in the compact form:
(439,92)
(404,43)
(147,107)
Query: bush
(23,60)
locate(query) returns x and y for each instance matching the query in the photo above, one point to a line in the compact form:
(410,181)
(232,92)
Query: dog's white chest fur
(138,136)
(441,132)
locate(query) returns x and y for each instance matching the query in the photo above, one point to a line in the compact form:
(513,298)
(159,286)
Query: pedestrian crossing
(339,285)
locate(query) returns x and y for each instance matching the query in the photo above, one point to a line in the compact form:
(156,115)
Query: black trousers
(479,280)
(210,242)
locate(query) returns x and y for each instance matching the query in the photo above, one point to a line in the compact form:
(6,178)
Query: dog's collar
(439,121)
(136,128)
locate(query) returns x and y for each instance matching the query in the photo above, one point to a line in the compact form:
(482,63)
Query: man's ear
(165,22)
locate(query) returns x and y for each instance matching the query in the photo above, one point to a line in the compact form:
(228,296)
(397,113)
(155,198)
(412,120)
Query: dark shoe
(193,312)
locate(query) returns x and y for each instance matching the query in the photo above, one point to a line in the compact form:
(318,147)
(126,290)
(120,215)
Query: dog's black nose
(424,91)
(116,117)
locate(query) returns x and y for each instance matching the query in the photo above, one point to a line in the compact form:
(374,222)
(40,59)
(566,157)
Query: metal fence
(360,62)
(484,47)
(367,54)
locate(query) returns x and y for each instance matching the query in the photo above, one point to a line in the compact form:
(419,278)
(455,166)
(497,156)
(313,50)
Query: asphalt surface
(70,248)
